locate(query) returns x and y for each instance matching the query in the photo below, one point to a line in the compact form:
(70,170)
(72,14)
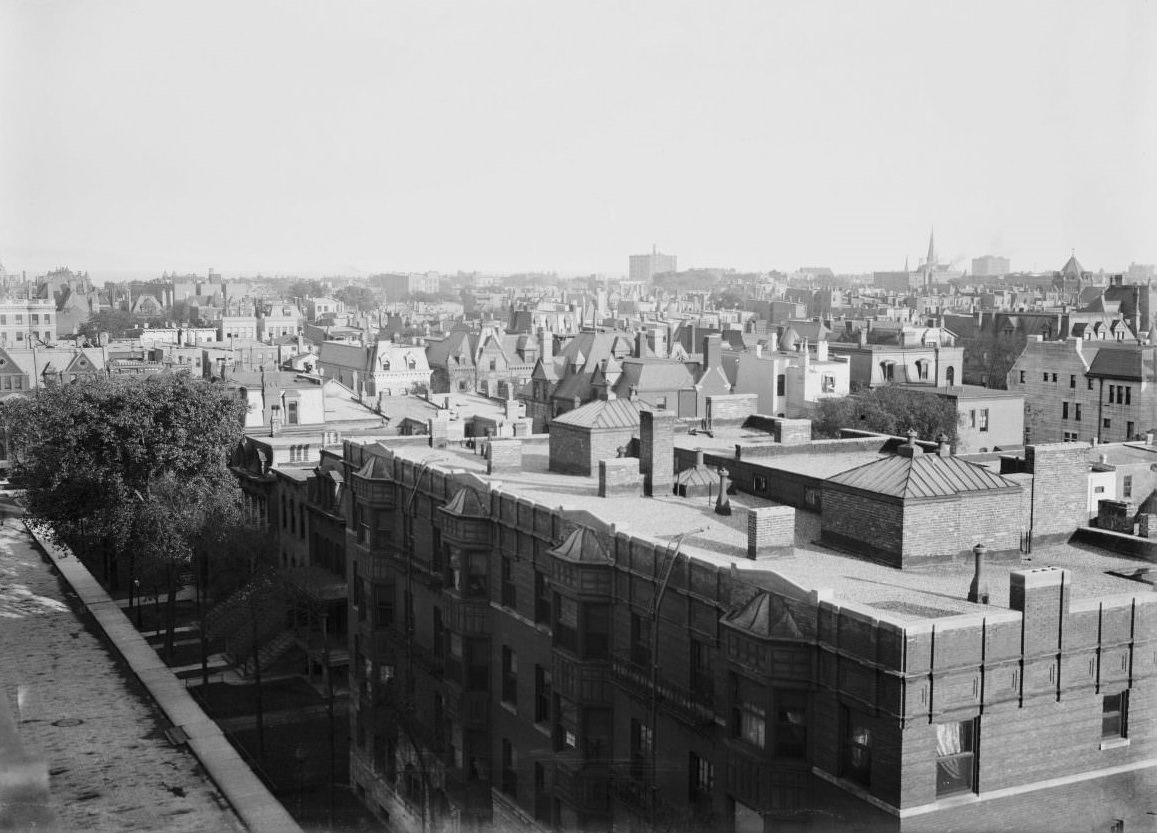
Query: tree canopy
(123,465)
(888,410)
(116,322)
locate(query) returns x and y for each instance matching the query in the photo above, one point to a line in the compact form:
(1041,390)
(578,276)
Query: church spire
(931,248)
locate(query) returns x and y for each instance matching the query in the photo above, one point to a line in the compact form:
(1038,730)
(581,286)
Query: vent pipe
(978,590)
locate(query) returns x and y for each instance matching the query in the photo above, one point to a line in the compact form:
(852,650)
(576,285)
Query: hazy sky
(329,137)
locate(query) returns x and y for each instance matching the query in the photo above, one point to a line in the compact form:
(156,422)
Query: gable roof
(922,476)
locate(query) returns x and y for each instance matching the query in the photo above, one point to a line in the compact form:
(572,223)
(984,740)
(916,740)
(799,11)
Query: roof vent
(910,448)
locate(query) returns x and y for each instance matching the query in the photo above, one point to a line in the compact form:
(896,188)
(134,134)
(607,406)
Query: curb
(254,804)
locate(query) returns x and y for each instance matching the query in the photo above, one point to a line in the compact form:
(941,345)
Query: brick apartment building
(527,654)
(1077,390)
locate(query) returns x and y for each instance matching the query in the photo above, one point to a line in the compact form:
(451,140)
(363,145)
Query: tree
(888,410)
(110,464)
(116,322)
(358,297)
(306,289)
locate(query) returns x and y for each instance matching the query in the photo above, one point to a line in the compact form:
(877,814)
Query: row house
(1077,390)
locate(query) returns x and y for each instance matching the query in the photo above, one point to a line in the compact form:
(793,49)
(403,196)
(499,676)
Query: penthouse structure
(702,636)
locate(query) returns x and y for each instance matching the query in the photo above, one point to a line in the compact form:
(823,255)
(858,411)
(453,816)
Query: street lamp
(137,599)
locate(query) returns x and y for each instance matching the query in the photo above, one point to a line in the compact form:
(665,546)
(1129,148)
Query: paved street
(111,766)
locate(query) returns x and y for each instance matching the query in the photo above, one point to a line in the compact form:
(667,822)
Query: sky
(313,138)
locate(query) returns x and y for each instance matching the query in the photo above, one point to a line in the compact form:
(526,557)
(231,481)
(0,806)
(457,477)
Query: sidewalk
(256,806)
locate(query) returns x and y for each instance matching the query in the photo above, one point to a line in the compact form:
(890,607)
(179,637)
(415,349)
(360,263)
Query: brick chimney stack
(657,451)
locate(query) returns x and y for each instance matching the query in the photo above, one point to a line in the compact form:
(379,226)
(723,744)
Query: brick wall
(575,450)
(793,431)
(620,477)
(731,408)
(503,455)
(1059,489)
(769,527)
(875,528)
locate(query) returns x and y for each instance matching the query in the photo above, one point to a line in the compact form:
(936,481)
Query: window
(1022,377)
(291,407)
(702,780)
(509,590)
(827,383)
(1127,491)
(541,598)
(566,623)
(509,768)
(567,727)
(1129,430)
(1090,382)
(1128,396)
(1114,715)
(791,724)
(1064,410)
(972,419)
(1077,412)
(1054,378)
(702,679)
(955,757)
(760,483)
(1111,389)
(780,385)
(983,419)
(888,371)
(1108,423)
(856,754)
(542,694)
(642,747)
(1046,377)
(1072,380)
(922,369)
(1098,490)
(748,716)
(640,640)
(509,676)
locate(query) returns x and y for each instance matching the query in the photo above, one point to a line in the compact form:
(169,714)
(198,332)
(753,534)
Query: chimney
(772,342)
(1042,595)
(640,344)
(712,351)
(864,336)
(759,351)
(657,451)
(978,590)
(821,351)
(546,345)
(910,448)
(634,394)
(944,447)
(698,457)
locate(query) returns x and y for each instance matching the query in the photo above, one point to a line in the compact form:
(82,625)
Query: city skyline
(258,138)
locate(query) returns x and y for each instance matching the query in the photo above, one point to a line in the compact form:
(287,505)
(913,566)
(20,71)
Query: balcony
(469,616)
(584,683)
(693,708)
(585,788)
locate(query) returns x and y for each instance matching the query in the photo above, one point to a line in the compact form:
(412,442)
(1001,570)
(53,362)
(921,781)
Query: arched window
(950,376)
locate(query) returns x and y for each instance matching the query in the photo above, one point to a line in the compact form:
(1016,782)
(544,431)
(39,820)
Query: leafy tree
(888,410)
(116,322)
(358,297)
(119,470)
(306,289)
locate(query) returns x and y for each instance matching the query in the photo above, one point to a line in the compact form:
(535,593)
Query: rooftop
(899,596)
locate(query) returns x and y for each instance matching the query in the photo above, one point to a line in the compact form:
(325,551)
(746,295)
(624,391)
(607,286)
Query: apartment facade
(519,665)
(27,322)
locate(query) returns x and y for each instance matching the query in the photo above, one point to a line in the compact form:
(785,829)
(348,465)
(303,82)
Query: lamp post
(137,599)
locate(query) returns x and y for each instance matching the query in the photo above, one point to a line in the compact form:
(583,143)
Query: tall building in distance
(645,267)
(988,266)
